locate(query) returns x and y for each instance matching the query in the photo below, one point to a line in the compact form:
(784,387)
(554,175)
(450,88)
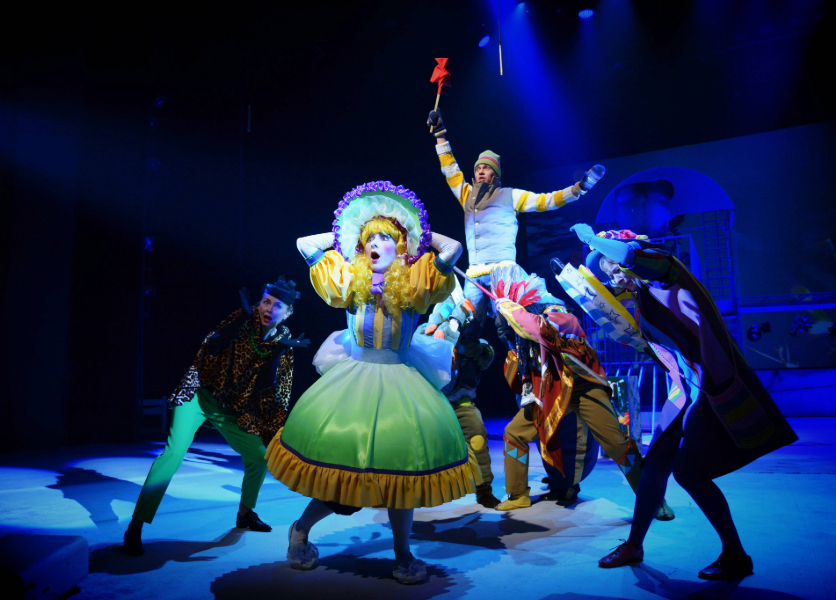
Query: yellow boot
(522,500)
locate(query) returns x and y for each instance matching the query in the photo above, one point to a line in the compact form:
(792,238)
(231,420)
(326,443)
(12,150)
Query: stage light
(802,323)
(484,41)
(149,244)
(586,13)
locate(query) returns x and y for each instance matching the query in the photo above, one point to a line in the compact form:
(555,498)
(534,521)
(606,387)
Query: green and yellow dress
(373,431)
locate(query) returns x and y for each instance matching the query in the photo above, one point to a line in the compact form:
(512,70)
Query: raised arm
(635,258)
(330,273)
(449,250)
(557,333)
(449,166)
(313,247)
(530,202)
(431,277)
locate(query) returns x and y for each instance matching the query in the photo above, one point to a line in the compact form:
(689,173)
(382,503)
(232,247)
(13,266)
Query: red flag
(441,75)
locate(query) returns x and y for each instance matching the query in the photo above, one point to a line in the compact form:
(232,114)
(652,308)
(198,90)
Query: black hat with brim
(282,290)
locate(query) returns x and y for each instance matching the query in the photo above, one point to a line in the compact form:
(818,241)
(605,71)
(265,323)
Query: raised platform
(782,504)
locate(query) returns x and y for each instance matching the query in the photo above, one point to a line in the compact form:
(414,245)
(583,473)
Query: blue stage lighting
(586,13)
(484,41)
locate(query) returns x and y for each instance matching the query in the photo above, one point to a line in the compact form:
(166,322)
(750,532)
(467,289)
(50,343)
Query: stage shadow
(232,460)
(110,559)
(342,575)
(476,531)
(655,582)
(477,536)
(95,492)
(86,487)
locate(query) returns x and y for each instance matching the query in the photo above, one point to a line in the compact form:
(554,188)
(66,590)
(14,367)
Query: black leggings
(673,454)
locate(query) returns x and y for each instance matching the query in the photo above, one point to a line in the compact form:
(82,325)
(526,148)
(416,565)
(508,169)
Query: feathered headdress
(509,280)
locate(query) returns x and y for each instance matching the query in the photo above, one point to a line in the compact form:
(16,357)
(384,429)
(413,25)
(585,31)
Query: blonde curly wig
(396,291)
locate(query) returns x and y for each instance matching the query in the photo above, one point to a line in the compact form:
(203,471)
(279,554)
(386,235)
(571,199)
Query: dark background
(338,94)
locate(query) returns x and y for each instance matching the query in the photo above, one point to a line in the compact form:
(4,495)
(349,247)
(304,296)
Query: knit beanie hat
(491,159)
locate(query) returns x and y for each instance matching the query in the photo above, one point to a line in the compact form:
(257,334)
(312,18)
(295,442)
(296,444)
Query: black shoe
(252,522)
(132,545)
(563,498)
(728,568)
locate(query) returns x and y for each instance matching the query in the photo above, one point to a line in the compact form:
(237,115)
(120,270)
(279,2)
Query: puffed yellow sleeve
(431,282)
(331,278)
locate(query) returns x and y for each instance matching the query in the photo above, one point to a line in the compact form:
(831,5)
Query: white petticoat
(430,356)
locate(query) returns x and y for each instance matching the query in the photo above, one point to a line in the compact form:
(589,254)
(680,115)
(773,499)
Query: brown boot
(485,497)
(515,501)
(625,554)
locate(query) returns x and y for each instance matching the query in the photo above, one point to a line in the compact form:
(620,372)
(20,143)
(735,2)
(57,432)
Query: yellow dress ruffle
(371,489)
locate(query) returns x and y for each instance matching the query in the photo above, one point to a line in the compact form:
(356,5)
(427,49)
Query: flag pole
(499,28)
(437,98)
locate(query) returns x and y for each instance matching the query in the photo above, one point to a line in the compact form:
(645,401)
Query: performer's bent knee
(687,472)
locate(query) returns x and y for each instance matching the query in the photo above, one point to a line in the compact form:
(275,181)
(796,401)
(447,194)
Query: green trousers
(187,418)
(476,436)
(595,409)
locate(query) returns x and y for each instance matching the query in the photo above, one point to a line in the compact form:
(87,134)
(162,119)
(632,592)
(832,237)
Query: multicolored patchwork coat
(679,318)
(557,333)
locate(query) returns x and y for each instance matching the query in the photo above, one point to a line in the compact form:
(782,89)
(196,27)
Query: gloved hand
(584,232)
(309,244)
(449,250)
(299,342)
(435,123)
(591,177)
(617,250)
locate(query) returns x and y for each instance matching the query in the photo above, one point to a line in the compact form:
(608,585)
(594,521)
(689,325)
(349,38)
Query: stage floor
(783,506)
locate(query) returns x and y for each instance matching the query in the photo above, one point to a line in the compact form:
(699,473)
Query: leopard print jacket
(245,374)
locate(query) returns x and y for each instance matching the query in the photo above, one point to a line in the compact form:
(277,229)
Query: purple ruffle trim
(386,186)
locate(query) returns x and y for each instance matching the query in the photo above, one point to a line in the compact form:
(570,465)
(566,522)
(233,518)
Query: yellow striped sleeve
(456,183)
(520,206)
(452,172)
(530,202)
